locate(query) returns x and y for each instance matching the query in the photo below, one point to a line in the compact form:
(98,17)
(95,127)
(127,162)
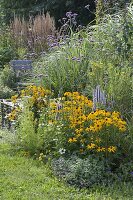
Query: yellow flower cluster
(34,92)
(75,109)
(101,118)
(85,125)
(111,149)
(75,98)
(36,96)
(72,140)
(14,98)
(13,114)
(71,105)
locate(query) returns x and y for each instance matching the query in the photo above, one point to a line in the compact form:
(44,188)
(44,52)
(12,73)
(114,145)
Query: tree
(57,8)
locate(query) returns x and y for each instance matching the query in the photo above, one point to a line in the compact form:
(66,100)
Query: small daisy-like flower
(91,146)
(112,149)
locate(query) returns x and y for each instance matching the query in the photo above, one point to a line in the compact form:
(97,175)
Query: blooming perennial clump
(95,131)
(35,93)
(14,113)
(36,96)
(85,130)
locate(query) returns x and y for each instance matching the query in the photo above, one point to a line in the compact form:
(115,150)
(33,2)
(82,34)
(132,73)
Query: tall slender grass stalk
(33,33)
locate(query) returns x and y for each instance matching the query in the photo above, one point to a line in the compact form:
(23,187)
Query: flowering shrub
(36,95)
(14,113)
(37,99)
(87,131)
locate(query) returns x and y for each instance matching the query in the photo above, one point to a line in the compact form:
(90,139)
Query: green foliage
(1,16)
(6,54)
(7,77)
(113,55)
(7,138)
(7,49)
(24,178)
(85,9)
(90,171)
(65,69)
(5,92)
(7,83)
(56,8)
(28,139)
(100,55)
(127,145)
(125,171)
(51,134)
(80,172)
(116,81)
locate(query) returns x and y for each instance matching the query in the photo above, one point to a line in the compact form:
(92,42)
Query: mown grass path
(25,179)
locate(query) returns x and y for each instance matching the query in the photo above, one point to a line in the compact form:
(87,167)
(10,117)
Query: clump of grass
(33,33)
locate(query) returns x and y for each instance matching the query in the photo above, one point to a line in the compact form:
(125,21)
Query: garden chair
(23,72)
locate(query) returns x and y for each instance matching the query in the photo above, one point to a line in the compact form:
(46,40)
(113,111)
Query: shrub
(7,50)
(5,92)
(28,139)
(65,67)
(116,82)
(53,139)
(86,131)
(8,77)
(28,107)
(125,171)
(83,172)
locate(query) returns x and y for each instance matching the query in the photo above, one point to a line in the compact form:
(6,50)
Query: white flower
(62,151)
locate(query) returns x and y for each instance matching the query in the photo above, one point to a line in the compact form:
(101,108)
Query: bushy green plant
(51,133)
(125,171)
(65,68)
(90,171)
(7,48)
(127,143)
(28,139)
(83,172)
(8,77)
(6,54)
(5,92)
(99,132)
(116,82)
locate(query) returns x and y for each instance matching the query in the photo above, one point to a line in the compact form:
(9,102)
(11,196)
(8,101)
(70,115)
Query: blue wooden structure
(23,71)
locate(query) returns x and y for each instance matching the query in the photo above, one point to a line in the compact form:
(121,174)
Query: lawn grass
(22,178)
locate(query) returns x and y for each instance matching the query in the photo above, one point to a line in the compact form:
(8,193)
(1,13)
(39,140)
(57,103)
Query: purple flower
(78,60)
(131,173)
(74,58)
(55,44)
(69,14)
(74,15)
